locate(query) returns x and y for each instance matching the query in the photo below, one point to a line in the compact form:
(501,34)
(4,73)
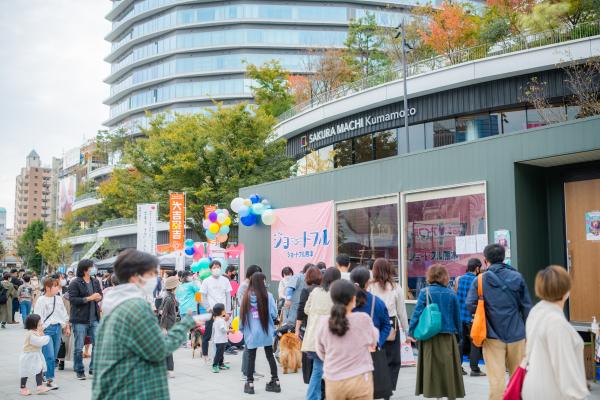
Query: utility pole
(400,31)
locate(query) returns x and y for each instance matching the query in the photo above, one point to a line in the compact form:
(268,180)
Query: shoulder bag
(479,326)
(430,321)
(51,312)
(382,381)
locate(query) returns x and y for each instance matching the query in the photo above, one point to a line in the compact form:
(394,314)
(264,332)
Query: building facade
(32,193)
(180,55)
(3,227)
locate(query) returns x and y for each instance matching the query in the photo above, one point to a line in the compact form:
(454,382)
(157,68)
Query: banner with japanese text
(177,220)
(147,220)
(302,235)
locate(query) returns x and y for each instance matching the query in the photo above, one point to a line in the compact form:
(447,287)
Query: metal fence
(91,195)
(118,222)
(509,45)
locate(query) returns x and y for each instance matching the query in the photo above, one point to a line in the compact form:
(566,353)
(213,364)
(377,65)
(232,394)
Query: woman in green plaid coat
(129,358)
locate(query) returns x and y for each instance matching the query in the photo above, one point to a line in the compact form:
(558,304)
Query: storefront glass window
(513,121)
(416,134)
(432,228)
(343,153)
(474,127)
(368,233)
(444,132)
(573,112)
(385,143)
(545,116)
(363,149)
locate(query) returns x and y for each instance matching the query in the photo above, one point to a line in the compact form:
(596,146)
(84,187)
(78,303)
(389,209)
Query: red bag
(515,385)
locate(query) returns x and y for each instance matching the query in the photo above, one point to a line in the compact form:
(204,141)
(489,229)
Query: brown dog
(290,355)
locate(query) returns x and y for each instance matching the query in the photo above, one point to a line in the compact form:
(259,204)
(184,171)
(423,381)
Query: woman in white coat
(555,370)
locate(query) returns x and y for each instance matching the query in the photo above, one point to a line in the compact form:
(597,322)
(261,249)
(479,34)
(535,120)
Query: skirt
(439,371)
(31,363)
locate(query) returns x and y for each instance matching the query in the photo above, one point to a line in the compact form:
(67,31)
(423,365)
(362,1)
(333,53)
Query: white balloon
(236,204)
(221,218)
(268,217)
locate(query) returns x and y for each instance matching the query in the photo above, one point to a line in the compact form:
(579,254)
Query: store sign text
(358,123)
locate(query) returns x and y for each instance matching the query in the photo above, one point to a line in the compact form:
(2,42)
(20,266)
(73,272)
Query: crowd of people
(351,321)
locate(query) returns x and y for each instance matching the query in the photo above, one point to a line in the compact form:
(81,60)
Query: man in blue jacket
(507,304)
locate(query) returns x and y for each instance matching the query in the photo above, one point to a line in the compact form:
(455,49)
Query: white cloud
(51,87)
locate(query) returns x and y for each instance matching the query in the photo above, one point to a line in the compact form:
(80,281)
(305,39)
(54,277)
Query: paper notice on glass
(482,241)
(471,245)
(461,244)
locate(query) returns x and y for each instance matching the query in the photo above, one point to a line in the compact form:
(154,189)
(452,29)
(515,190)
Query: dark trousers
(170,363)
(15,307)
(218,360)
(469,349)
(252,362)
(392,352)
(38,380)
(206,337)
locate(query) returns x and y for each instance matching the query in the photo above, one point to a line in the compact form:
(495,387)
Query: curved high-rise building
(180,55)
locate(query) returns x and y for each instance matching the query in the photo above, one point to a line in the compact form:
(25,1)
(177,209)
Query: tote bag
(382,380)
(479,327)
(430,322)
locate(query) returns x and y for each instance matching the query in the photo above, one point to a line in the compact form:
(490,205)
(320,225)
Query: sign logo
(304,141)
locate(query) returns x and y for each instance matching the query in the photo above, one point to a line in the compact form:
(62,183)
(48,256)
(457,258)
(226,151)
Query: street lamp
(400,31)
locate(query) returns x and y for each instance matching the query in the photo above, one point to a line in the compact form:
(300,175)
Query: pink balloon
(235,337)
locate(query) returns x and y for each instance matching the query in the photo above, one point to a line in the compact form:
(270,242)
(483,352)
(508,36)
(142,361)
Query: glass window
(368,232)
(444,132)
(545,116)
(428,127)
(385,143)
(343,153)
(513,121)
(363,149)
(416,134)
(432,226)
(474,127)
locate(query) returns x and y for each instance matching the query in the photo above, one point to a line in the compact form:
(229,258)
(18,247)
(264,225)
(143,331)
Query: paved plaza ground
(194,380)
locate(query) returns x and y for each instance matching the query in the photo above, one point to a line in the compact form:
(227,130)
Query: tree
(365,47)
(313,163)
(584,82)
(27,245)
(451,27)
(416,49)
(2,251)
(55,250)
(509,11)
(553,14)
(210,157)
(270,89)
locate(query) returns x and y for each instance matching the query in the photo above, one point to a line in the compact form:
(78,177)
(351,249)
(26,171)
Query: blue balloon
(189,251)
(210,235)
(254,198)
(189,243)
(258,209)
(248,220)
(244,211)
(224,230)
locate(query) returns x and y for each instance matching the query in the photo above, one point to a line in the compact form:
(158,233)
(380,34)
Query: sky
(51,88)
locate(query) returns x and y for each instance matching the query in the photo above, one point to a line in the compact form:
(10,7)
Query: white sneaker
(171,374)
(258,375)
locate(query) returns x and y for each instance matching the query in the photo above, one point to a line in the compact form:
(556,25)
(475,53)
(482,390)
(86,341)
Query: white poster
(67,187)
(147,220)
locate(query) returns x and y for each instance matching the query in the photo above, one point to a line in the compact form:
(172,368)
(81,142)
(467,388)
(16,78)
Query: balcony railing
(509,45)
(118,222)
(91,195)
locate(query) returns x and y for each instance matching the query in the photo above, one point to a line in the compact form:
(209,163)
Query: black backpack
(3,296)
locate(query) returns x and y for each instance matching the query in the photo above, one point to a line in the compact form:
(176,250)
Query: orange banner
(208,210)
(177,220)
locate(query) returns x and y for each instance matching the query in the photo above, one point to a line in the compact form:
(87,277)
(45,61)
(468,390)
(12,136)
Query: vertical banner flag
(302,235)
(207,210)
(147,219)
(177,220)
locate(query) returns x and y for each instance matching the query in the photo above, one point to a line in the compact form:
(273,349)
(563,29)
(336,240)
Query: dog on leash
(290,355)
(196,339)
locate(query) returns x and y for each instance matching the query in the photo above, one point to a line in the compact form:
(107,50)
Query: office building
(32,193)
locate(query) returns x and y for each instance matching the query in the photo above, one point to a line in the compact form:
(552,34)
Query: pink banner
(302,235)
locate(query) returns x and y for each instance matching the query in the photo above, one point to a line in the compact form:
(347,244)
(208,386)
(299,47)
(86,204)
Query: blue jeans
(81,331)
(51,349)
(25,308)
(314,386)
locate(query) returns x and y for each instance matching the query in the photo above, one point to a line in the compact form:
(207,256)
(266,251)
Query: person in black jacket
(84,294)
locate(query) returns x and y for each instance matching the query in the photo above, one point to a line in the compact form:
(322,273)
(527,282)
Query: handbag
(430,321)
(382,381)
(515,385)
(479,326)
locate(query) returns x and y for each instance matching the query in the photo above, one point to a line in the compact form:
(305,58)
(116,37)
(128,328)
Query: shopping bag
(479,327)
(515,385)
(430,321)
(407,357)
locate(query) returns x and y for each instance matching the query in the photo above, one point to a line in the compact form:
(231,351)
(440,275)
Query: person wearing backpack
(507,305)
(439,370)
(7,292)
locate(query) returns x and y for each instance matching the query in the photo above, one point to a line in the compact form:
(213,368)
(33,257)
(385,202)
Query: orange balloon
(221,238)
(198,297)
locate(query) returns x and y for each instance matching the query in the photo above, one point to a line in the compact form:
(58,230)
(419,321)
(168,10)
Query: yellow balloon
(227,221)
(235,324)
(213,228)
(247,202)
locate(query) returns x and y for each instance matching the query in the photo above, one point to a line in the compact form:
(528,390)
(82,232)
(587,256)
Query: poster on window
(66,195)
(302,235)
(592,225)
(147,220)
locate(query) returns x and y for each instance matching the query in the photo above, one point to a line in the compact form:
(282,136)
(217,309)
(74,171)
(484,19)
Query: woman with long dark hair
(257,313)
(344,342)
(384,287)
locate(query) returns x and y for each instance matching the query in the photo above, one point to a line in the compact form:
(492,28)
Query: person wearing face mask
(186,294)
(131,348)
(216,289)
(84,295)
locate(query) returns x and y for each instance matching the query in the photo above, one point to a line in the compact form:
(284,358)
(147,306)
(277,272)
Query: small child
(32,360)
(219,336)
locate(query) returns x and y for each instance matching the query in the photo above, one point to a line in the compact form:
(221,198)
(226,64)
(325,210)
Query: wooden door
(583,249)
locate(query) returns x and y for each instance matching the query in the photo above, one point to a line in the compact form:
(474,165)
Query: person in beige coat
(319,304)
(555,369)
(10,292)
